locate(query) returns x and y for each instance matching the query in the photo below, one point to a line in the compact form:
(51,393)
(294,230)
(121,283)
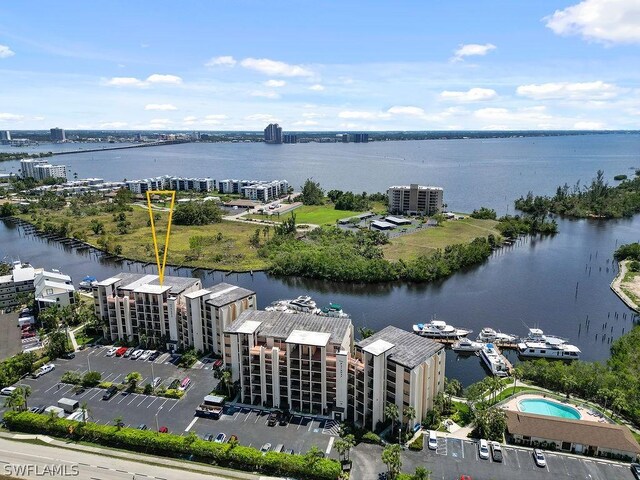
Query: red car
(121,351)
(465,477)
(217,364)
(163,429)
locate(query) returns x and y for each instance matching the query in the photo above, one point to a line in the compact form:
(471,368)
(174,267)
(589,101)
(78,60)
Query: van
(68,404)
(279,448)
(483,449)
(110,392)
(433,440)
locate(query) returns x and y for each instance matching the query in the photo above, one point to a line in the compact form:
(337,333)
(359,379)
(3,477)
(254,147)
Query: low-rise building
(19,281)
(415,199)
(398,367)
(167,182)
(53,288)
(258,190)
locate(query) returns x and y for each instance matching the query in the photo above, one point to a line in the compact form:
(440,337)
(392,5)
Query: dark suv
(110,392)
(272,420)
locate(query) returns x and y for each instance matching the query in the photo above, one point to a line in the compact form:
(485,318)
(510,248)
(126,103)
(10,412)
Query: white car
(43,369)
(112,351)
(7,390)
(146,354)
(135,355)
(433,440)
(538,456)
(483,449)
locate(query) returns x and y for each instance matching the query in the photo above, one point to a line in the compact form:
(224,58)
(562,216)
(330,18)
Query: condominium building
(58,135)
(398,367)
(415,199)
(138,309)
(360,137)
(273,133)
(19,281)
(289,138)
(291,361)
(210,311)
(40,169)
(53,288)
(167,182)
(5,136)
(255,189)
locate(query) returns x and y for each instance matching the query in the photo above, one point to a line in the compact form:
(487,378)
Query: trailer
(211,407)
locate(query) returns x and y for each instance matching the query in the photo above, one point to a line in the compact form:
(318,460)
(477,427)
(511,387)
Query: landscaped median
(229,455)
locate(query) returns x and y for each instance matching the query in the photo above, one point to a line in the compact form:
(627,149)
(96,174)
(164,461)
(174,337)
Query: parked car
(136,354)
(68,355)
(109,392)
(154,355)
(208,437)
(146,354)
(156,381)
(217,363)
(433,440)
(129,351)
(112,351)
(635,469)
(496,452)
(142,426)
(7,390)
(538,456)
(283,419)
(163,429)
(36,409)
(465,477)
(272,420)
(220,438)
(121,351)
(49,367)
(265,448)
(483,449)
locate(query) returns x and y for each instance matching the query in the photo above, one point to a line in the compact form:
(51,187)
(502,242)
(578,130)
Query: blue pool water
(547,407)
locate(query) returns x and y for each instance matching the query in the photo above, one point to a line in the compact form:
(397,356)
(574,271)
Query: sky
(320,65)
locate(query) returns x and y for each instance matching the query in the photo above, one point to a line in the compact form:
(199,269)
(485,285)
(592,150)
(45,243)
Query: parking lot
(248,423)
(455,457)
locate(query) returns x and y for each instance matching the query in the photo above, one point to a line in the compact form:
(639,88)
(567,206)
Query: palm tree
(225,378)
(15,400)
(409,414)
(344,445)
(421,474)
(26,393)
(391,458)
(118,422)
(391,413)
(85,411)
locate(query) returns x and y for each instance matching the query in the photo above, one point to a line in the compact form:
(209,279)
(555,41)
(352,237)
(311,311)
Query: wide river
(553,283)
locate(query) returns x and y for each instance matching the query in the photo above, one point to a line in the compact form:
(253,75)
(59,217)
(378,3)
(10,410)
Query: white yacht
(439,329)
(304,304)
(464,345)
(333,310)
(488,334)
(537,344)
(495,361)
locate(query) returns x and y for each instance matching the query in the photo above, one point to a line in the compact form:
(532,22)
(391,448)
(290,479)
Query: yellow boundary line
(162,266)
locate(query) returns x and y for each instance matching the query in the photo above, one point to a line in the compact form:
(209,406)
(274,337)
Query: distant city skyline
(323,66)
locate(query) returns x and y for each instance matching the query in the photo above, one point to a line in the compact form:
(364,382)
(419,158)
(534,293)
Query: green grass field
(317,214)
(428,240)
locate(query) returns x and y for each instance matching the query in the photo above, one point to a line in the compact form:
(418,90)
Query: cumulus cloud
(222,61)
(317,87)
(597,90)
(160,106)
(275,68)
(6,52)
(10,116)
(217,116)
(275,83)
(113,125)
(471,95)
(530,117)
(472,49)
(406,110)
(360,115)
(607,21)
(264,94)
(585,125)
(261,117)
(305,123)
(154,79)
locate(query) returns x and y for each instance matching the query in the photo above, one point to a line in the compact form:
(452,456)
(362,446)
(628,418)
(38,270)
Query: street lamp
(88,362)
(400,435)
(157,424)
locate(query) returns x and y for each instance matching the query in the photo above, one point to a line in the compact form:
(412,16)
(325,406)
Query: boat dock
(502,345)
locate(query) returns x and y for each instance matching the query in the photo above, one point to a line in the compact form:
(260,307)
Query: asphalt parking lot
(248,423)
(455,457)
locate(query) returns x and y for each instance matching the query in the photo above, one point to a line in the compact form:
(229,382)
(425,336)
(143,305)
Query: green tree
(85,412)
(391,413)
(133,379)
(312,194)
(91,379)
(118,422)
(365,332)
(344,445)
(391,458)
(226,380)
(409,413)
(421,474)
(56,344)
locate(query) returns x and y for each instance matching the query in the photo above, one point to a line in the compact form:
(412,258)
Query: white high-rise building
(415,199)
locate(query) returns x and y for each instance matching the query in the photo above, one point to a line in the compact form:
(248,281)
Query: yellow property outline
(162,266)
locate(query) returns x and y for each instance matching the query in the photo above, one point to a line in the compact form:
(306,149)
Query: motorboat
(464,345)
(439,329)
(538,345)
(494,360)
(88,282)
(489,335)
(333,310)
(304,304)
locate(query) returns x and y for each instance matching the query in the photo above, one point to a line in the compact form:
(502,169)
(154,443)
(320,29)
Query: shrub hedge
(168,445)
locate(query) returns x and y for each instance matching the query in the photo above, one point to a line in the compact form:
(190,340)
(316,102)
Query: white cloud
(317,87)
(190,118)
(261,117)
(406,110)
(125,82)
(597,90)
(312,115)
(471,95)
(160,106)
(223,61)
(275,68)
(6,52)
(305,123)
(154,79)
(217,116)
(527,117)
(160,121)
(113,125)
(472,49)
(275,83)
(10,116)
(608,21)
(359,115)
(584,125)
(264,94)
(164,79)
(38,118)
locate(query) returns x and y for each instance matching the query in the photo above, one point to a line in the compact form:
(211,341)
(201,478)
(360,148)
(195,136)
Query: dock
(502,345)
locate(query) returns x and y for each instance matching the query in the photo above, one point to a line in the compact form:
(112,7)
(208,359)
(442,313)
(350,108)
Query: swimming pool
(542,406)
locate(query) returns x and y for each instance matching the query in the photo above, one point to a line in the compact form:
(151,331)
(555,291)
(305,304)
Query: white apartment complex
(167,182)
(291,361)
(415,199)
(259,190)
(19,281)
(210,311)
(41,169)
(53,288)
(394,366)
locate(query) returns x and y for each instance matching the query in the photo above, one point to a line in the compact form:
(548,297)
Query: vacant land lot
(427,241)
(314,214)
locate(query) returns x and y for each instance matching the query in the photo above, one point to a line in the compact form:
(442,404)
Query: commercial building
(575,436)
(415,199)
(398,367)
(53,288)
(255,189)
(40,169)
(273,133)
(5,137)
(139,310)
(291,361)
(58,135)
(210,311)
(167,182)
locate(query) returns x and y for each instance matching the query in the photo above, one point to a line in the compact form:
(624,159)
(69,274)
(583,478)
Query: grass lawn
(314,214)
(428,240)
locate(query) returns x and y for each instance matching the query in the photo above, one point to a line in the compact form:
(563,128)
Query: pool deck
(586,414)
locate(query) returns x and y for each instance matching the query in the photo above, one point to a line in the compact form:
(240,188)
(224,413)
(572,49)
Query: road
(54,462)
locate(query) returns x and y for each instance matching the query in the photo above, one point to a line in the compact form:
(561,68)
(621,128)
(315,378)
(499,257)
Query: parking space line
(310,425)
(195,419)
(173,405)
(154,400)
(104,379)
(328,451)
(164,403)
(462,448)
(124,398)
(86,393)
(257,418)
(143,399)
(115,379)
(52,387)
(135,395)
(99,390)
(248,415)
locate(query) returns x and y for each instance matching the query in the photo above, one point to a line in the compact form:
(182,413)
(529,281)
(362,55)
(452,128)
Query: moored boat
(494,360)
(489,335)
(439,329)
(538,345)
(464,345)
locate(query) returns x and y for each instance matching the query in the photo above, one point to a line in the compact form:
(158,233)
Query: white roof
(378,347)
(154,289)
(139,282)
(108,281)
(199,293)
(55,285)
(23,274)
(307,337)
(55,275)
(249,326)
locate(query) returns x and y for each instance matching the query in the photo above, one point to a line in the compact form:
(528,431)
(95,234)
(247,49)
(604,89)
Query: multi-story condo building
(210,311)
(41,169)
(19,281)
(139,310)
(5,136)
(53,288)
(360,137)
(167,182)
(291,361)
(58,135)
(415,199)
(255,189)
(273,133)
(289,138)
(394,366)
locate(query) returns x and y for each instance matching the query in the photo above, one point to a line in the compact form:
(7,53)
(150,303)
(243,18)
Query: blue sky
(320,65)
